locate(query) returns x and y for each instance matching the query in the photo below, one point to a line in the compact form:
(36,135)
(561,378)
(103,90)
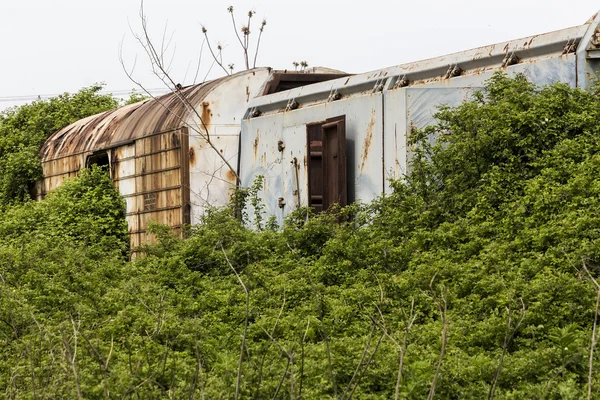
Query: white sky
(53,46)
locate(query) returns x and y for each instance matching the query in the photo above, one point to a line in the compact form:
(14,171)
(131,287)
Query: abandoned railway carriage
(341,140)
(316,139)
(172,156)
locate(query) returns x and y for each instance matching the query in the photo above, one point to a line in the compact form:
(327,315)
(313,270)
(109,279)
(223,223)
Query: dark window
(326,143)
(280,81)
(100,159)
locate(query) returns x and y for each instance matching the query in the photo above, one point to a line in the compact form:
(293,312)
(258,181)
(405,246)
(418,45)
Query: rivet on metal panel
(378,85)
(292,105)
(595,40)
(280,146)
(453,70)
(571,46)
(401,82)
(255,113)
(510,59)
(334,95)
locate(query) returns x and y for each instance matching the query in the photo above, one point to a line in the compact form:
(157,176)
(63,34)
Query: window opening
(100,159)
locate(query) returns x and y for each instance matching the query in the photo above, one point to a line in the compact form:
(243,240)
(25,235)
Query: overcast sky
(53,46)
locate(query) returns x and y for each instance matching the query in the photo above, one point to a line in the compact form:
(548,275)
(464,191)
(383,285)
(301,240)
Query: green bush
(23,131)
(473,278)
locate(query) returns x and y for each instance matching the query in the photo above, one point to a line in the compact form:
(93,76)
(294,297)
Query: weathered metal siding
(159,158)
(150,176)
(222,109)
(382,107)
(261,156)
(363,151)
(56,171)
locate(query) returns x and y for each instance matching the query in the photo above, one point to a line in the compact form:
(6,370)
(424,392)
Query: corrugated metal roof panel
(127,123)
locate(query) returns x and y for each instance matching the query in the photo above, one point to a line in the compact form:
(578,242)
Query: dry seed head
(230,9)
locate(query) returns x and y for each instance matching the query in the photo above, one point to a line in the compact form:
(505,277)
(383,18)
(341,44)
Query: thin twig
(366,366)
(214,56)
(408,325)
(302,364)
(508,335)
(264,22)
(257,391)
(362,358)
(247,312)
(442,308)
(593,341)
(204,132)
(199,61)
(235,27)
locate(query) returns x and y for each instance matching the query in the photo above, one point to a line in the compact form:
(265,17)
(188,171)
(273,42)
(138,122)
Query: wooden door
(327,182)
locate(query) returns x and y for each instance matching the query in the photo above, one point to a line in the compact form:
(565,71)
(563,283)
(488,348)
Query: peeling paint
(368,139)
(255,145)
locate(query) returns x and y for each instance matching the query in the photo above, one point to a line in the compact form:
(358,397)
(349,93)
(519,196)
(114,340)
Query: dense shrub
(473,278)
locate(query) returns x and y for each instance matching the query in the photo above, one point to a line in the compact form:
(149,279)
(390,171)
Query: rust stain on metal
(230,176)
(206,113)
(368,139)
(247,93)
(192,156)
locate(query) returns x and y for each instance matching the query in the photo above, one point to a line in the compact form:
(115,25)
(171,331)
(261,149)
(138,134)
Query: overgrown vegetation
(23,131)
(473,279)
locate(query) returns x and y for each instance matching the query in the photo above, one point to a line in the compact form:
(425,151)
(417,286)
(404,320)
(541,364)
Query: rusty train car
(342,140)
(315,138)
(172,156)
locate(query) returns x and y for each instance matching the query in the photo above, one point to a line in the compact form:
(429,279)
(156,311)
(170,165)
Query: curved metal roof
(127,123)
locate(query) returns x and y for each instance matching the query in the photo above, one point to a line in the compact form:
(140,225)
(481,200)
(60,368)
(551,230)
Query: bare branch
(230,9)
(212,53)
(594,327)
(199,61)
(71,355)
(247,312)
(362,358)
(262,27)
(366,366)
(408,325)
(302,365)
(508,335)
(204,132)
(442,308)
